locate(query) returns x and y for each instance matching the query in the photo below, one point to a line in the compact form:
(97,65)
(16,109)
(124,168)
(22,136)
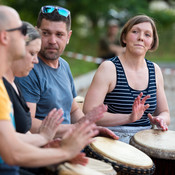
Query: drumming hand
(50,124)
(77,138)
(80,159)
(159,122)
(95,114)
(139,107)
(106,133)
(53,144)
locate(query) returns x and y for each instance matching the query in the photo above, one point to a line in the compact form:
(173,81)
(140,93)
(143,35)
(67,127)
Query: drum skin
(160,146)
(100,166)
(76,169)
(93,167)
(125,158)
(80,101)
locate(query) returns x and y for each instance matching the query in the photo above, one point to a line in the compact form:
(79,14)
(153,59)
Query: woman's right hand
(139,107)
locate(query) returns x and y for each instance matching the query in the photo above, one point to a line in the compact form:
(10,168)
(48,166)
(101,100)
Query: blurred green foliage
(89,15)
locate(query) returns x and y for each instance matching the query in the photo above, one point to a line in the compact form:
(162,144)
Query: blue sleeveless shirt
(121,99)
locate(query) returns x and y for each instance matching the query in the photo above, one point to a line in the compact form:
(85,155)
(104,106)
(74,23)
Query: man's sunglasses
(49,9)
(22,29)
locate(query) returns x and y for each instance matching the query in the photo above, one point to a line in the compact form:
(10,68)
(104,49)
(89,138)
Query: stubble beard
(49,56)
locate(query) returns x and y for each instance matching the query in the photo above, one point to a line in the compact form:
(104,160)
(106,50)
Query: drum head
(156,143)
(121,153)
(79,99)
(100,166)
(76,169)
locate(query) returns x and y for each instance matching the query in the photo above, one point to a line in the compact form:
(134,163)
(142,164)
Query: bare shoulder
(106,73)
(157,68)
(159,76)
(107,66)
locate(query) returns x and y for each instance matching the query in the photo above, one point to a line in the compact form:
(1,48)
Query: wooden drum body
(125,158)
(160,146)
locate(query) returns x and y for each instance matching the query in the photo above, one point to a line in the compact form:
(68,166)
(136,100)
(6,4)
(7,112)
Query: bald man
(14,148)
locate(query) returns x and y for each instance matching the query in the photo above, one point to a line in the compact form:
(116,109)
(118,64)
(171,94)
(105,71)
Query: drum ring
(118,167)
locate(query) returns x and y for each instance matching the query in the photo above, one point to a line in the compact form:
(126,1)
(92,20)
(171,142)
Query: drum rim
(119,167)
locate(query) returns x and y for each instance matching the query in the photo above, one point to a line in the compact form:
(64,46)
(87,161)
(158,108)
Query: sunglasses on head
(49,9)
(22,29)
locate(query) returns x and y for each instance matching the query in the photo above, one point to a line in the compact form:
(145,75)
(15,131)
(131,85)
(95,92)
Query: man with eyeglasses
(50,84)
(15,149)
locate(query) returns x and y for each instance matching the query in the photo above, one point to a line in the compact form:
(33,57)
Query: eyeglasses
(22,29)
(49,9)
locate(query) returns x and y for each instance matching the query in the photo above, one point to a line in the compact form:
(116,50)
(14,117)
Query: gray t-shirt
(49,88)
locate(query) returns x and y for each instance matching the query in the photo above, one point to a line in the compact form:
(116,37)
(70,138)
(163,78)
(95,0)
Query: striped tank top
(121,99)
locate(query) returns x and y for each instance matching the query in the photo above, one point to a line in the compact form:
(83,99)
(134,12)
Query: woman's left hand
(159,122)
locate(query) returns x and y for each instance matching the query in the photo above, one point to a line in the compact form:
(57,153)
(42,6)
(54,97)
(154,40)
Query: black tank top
(21,111)
(121,99)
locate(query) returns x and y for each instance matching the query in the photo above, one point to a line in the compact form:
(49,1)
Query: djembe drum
(76,169)
(80,101)
(93,164)
(101,166)
(124,158)
(160,146)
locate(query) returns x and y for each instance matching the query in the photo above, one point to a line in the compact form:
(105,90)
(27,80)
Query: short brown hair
(54,16)
(136,20)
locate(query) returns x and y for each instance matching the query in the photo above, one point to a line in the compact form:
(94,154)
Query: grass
(79,67)
(161,58)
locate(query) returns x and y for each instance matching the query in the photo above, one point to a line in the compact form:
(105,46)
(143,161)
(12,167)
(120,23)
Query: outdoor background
(89,18)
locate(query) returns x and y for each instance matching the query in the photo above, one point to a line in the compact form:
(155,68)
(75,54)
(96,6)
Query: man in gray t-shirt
(50,83)
(49,88)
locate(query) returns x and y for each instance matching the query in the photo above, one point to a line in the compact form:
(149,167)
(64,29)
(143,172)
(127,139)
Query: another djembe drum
(76,169)
(101,166)
(94,167)
(160,146)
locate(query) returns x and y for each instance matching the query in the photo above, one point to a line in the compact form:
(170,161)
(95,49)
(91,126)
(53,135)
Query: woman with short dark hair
(131,85)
